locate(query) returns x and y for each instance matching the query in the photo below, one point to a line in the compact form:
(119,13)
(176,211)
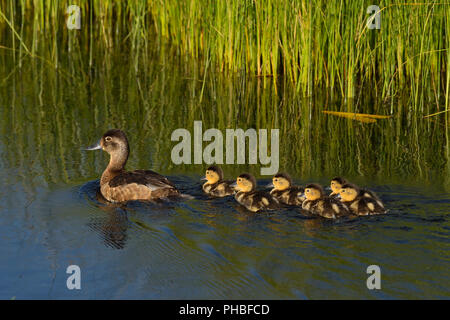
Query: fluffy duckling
(119,185)
(352,196)
(215,185)
(284,191)
(247,195)
(336,186)
(318,203)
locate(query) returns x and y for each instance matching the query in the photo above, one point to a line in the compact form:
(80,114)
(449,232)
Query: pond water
(203,248)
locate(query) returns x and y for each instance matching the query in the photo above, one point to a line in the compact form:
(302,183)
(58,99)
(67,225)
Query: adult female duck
(119,185)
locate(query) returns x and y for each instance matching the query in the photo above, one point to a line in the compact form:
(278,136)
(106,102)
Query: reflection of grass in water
(311,43)
(47,117)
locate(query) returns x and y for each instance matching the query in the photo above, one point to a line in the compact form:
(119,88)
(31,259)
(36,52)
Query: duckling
(215,185)
(247,195)
(119,185)
(284,191)
(358,203)
(336,186)
(318,203)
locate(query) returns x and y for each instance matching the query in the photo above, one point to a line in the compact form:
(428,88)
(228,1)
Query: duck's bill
(301,195)
(203,179)
(95,146)
(338,196)
(233,185)
(270,185)
(327,188)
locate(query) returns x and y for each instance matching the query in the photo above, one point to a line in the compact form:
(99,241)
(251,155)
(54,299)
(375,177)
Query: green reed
(307,43)
(47,117)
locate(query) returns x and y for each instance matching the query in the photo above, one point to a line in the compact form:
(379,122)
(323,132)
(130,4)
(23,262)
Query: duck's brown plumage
(118,185)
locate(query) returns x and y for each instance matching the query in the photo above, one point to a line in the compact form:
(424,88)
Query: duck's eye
(307,190)
(108,139)
(276,180)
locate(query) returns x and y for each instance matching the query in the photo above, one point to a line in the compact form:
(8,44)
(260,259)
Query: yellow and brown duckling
(336,185)
(352,196)
(318,203)
(215,185)
(119,185)
(247,195)
(284,190)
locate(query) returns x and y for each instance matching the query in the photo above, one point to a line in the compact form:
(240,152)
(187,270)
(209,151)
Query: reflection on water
(51,217)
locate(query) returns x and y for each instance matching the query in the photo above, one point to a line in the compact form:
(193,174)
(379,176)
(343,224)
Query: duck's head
(245,183)
(336,184)
(313,192)
(213,174)
(114,142)
(281,181)
(349,192)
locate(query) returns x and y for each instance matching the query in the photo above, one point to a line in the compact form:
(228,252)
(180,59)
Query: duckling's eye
(307,190)
(108,139)
(276,180)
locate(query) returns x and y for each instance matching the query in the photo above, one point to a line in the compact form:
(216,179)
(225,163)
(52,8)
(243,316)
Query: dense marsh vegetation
(244,64)
(306,43)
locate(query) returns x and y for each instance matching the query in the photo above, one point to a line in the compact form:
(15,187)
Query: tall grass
(307,43)
(47,117)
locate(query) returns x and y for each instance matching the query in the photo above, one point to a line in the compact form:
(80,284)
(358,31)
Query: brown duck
(247,196)
(360,204)
(319,204)
(119,185)
(284,191)
(215,184)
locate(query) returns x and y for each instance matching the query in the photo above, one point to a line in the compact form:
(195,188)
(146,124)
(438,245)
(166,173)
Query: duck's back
(138,185)
(370,194)
(218,189)
(364,206)
(327,207)
(256,200)
(289,196)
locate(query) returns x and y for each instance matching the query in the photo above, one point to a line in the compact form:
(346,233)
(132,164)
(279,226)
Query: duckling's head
(281,181)
(114,142)
(214,174)
(336,184)
(245,183)
(313,192)
(349,192)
